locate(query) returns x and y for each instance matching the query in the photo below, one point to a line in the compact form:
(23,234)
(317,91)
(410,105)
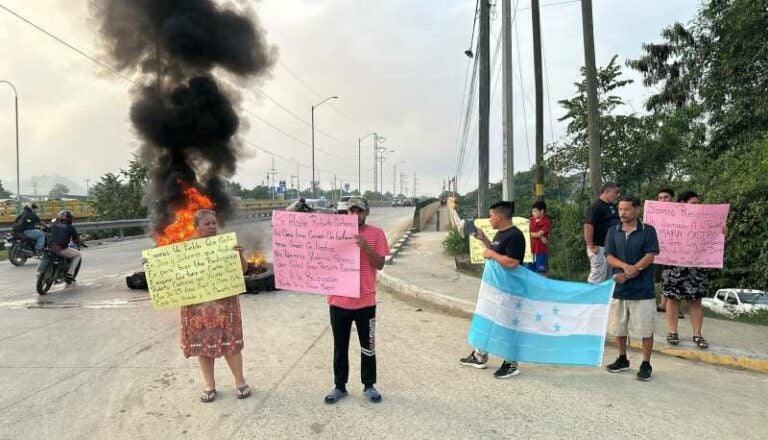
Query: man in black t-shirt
(600,216)
(508,249)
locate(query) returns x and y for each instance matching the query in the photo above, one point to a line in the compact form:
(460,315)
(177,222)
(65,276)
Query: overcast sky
(397,67)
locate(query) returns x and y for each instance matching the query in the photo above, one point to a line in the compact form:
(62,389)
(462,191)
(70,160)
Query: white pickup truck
(736,301)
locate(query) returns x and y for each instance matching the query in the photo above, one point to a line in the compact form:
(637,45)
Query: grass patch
(3,254)
(756,318)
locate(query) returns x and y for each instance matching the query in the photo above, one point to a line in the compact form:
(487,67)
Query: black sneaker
(69,279)
(334,396)
(475,360)
(645,372)
(507,369)
(621,364)
(372,394)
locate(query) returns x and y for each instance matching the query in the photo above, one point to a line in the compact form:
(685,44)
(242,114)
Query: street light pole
(18,178)
(359,155)
(314,188)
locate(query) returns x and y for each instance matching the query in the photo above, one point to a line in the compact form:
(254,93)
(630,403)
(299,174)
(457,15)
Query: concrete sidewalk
(422,272)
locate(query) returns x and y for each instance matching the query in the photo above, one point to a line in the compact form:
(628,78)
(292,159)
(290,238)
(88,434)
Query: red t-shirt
(537,225)
(377,240)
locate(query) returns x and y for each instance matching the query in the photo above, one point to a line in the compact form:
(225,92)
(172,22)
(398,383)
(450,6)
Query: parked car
(397,202)
(736,301)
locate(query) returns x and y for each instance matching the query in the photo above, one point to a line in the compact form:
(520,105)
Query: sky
(397,67)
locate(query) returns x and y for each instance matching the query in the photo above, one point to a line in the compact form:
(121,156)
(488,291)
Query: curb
(464,309)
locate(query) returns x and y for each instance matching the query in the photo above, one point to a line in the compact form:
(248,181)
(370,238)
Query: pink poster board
(690,235)
(316,253)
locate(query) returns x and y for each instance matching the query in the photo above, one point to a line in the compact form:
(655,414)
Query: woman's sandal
(701,342)
(243,391)
(208,396)
(672,339)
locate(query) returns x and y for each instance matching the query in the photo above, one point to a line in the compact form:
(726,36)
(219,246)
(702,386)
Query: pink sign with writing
(690,235)
(316,253)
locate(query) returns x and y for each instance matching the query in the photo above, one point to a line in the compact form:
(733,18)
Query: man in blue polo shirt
(631,247)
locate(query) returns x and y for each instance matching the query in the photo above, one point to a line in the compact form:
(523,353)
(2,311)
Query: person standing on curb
(630,248)
(508,249)
(685,283)
(539,226)
(362,311)
(665,195)
(600,217)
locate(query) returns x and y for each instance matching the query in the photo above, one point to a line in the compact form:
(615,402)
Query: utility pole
(593,123)
(539,170)
(415,185)
(295,187)
(484,44)
(272,172)
(87,181)
(375,163)
(402,186)
(508,151)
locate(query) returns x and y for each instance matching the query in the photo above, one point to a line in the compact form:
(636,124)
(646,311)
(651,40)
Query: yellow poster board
(193,272)
(476,247)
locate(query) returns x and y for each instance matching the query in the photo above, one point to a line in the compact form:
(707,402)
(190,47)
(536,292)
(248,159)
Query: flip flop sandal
(208,396)
(673,339)
(244,391)
(701,342)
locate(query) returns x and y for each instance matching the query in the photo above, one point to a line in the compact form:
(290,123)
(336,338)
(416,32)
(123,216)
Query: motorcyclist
(302,206)
(26,223)
(62,232)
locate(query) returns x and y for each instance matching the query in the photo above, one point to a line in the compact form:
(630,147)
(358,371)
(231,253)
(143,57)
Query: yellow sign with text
(193,272)
(476,247)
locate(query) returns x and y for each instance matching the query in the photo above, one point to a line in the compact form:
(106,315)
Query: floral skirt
(684,282)
(212,329)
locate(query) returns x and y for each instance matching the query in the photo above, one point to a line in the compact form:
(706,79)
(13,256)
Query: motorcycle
(53,267)
(20,248)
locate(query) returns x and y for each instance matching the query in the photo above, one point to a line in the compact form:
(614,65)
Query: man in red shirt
(539,226)
(362,311)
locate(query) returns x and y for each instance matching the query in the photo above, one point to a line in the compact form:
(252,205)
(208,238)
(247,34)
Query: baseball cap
(357,201)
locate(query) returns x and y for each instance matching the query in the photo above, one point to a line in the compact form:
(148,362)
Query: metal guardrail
(249,213)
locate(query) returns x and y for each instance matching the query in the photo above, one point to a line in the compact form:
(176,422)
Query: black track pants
(341,323)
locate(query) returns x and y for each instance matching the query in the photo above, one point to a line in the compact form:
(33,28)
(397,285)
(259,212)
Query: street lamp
(18,178)
(382,157)
(394,178)
(359,184)
(314,187)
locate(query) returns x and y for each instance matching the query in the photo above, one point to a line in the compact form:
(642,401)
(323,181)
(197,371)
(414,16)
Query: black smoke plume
(186,118)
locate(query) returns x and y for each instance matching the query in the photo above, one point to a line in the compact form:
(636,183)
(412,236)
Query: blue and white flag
(523,316)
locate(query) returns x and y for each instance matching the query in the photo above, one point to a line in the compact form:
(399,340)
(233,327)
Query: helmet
(30,206)
(65,215)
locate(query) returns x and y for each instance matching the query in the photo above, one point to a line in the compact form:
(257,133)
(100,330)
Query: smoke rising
(188,121)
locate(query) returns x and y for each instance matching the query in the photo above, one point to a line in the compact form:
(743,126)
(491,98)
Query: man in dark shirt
(508,249)
(631,247)
(600,216)
(62,232)
(26,223)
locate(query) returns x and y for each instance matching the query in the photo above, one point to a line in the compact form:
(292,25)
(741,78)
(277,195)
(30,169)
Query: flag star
(557,328)
(555,310)
(538,317)
(516,322)
(519,305)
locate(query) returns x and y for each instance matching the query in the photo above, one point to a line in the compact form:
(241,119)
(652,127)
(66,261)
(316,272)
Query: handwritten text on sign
(690,235)
(193,272)
(316,253)
(476,247)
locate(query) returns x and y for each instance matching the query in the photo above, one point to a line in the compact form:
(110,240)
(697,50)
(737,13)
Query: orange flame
(256,259)
(183,227)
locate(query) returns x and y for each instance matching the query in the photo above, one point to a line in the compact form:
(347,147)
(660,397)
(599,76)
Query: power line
(105,66)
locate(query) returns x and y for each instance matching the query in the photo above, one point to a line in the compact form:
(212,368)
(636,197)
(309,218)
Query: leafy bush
(455,244)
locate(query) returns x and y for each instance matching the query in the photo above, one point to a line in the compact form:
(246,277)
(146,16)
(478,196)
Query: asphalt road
(94,361)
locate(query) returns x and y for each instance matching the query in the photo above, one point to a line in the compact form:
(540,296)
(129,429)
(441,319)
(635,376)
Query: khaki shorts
(635,315)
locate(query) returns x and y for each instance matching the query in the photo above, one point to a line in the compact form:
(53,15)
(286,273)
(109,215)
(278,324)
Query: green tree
(4,193)
(120,196)
(58,191)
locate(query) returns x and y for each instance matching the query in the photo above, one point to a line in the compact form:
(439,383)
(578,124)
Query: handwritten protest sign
(690,235)
(193,272)
(476,247)
(316,253)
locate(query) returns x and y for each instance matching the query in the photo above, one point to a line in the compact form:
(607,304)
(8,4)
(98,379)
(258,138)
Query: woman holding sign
(685,283)
(214,329)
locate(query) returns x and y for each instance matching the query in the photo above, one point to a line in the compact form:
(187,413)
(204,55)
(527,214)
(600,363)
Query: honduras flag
(522,316)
